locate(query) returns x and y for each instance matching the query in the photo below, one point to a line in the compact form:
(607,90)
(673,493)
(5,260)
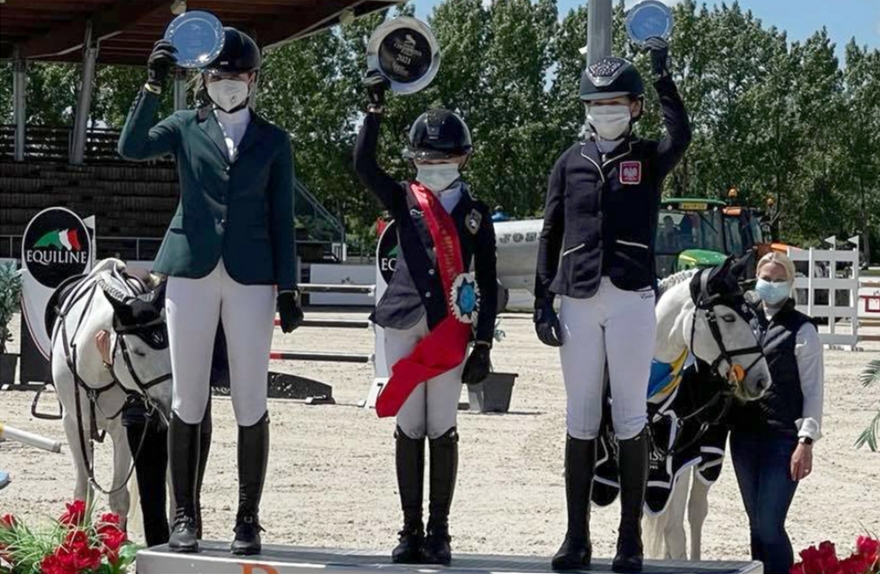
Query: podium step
(216,559)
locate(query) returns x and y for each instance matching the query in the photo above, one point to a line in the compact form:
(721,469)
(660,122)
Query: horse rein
(142,386)
(93,393)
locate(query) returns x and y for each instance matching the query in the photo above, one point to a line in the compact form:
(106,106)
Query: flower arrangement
(824,560)
(75,543)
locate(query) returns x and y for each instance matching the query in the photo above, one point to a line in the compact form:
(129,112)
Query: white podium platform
(214,558)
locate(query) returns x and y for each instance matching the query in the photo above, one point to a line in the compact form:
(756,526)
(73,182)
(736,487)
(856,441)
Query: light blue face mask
(772,292)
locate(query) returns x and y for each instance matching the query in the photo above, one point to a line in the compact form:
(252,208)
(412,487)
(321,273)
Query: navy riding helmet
(438,134)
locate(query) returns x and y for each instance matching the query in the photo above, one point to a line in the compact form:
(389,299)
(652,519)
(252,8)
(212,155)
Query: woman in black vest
(441,230)
(772,439)
(597,252)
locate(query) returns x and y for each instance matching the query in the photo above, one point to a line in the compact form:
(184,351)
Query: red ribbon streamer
(443,349)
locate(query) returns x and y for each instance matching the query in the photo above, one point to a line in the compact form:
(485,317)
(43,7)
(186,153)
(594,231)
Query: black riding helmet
(611,78)
(438,134)
(240,54)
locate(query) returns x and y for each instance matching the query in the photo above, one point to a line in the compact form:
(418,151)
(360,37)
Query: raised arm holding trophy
(596,252)
(434,309)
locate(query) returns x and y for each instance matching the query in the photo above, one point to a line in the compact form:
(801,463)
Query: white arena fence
(829,289)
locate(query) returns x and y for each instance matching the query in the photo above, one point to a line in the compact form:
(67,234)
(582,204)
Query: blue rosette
(465,298)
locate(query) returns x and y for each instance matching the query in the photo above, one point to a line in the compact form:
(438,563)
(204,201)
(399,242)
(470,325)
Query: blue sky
(800,18)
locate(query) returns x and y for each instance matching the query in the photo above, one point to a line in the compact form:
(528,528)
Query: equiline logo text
(57,246)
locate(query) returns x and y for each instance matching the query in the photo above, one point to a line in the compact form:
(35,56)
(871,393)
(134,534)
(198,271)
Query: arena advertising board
(56,245)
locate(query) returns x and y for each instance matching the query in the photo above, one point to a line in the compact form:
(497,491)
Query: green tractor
(703,232)
(690,233)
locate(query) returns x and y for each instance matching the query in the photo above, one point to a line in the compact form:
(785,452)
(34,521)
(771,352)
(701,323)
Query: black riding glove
(290,310)
(477,366)
(547,324)
(375,84)
(659,49)
(161,60)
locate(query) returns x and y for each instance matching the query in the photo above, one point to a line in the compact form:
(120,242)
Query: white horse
(685,324)
(92,396)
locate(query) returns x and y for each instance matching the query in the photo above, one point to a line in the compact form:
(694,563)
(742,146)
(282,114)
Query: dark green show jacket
(240,209)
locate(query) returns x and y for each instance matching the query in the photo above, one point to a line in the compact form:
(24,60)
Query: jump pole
(30,439)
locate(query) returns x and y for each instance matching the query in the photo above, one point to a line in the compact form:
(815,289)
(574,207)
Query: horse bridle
(93,393)
(137,330)
(706,303)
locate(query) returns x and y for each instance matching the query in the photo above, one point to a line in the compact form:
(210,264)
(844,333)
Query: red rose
(868,547)
(113,541)
(88,559)
(76,513)
(797,568)
(76,539)
(109,518)
(827,550)
(812,560)
(51,565)
(855,564)
(7,521)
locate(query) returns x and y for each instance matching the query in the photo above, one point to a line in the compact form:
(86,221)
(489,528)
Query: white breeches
(193,308)
(619,327)
(432,408)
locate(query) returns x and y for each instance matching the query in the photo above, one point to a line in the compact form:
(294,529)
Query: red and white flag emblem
(630,172)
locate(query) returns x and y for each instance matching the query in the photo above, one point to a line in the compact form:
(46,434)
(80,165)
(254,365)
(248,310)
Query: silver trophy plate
(198,37)
(649,19)
(405,51)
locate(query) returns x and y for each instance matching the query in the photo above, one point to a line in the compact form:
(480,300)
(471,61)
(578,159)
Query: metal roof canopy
(55,30)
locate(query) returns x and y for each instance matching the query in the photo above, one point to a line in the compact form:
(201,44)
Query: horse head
(141,358)
(721,330)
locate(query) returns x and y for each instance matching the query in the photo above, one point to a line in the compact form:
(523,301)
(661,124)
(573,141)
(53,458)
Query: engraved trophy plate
(406,53)
(649,19)
(198,37)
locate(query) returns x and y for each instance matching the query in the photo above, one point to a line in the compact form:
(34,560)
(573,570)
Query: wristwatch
(806,440)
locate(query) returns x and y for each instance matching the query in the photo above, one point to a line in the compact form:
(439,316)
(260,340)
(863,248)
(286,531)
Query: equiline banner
(57,244)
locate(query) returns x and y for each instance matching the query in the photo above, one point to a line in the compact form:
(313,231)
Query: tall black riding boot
(444,468)
(633,478)
(580,461)
(410,458)
(253,456)
(206,429)
(150,465)
(183,449)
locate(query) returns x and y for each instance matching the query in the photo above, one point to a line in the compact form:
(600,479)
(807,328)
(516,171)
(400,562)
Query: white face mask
(437,176)
(228,94)
(609,122)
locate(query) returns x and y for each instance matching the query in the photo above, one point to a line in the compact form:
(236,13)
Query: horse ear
(739,267)
(118,300)
(727,266)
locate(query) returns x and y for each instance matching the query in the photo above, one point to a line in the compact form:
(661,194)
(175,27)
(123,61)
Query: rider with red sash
(431,312)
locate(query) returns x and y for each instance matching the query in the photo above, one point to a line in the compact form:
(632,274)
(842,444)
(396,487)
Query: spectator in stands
(772,439)
(229,248)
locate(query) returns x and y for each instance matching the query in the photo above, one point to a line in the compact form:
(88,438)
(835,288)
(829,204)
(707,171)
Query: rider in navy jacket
(596,252)
(416,303)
